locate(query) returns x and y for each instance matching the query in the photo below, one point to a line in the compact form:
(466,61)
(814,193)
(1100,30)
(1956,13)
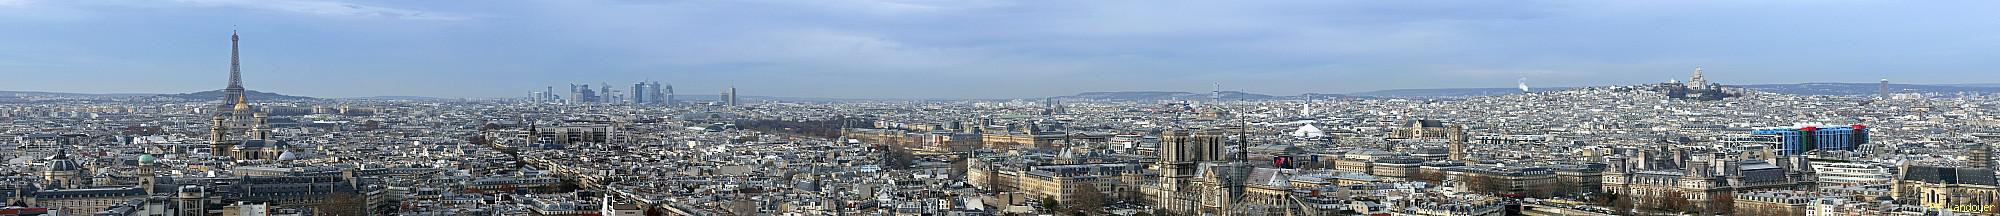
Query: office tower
(607,95)
(576,93)
(1885,89)
(670,95)
(639,92)
(583,94)
(731,96)
(654,94)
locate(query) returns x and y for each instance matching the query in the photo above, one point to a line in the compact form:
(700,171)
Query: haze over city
(979,49)
(978,108)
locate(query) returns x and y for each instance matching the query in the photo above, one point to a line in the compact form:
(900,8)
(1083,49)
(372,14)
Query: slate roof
(1948,175)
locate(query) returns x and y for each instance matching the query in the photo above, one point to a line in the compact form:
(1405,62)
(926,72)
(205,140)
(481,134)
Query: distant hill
(1973,85)
(1324,96)
(1168,95)
(1160,95)
(414,98)
(1870,88)
(251,94)
(62,94)
(1448,92)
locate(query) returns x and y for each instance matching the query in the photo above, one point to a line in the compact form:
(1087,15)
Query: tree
(1622,204)
(959,168)
(1478,184)
(1672,201)
(1722,204)
(477,140)
(1050,204)
(898,157)
(1603,199)
(1432,177)
(341,204)
(1088,199)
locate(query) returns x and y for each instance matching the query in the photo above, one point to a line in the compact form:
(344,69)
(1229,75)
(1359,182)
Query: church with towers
(1697,88)
(239,130)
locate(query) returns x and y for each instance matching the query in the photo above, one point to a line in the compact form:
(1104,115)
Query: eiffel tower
(234,93)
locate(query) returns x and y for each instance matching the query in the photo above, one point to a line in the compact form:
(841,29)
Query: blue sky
(980,49)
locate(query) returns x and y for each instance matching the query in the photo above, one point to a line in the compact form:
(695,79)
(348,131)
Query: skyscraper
(655,95)
(579,94)
(1885,89)
(731,96)
(670,95)
(640,92)
(605,95)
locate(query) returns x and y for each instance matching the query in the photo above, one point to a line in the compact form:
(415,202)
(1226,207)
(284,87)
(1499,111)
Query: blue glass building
(1799,140)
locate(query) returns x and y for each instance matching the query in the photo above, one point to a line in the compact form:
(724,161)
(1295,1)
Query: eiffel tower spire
(235,89)
(235,64)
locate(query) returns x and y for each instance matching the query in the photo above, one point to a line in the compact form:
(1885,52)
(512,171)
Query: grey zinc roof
(1949,175)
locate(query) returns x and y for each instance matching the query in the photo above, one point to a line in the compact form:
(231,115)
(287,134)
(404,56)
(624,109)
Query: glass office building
(1801,139)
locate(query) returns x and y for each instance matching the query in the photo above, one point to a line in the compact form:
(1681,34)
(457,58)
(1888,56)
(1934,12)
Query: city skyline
(881,50)
(975,107)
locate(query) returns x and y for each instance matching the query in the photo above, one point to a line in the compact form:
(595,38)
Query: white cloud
(13,3)
(326,8)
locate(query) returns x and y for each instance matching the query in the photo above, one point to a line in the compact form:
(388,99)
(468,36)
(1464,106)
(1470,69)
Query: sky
(978,48)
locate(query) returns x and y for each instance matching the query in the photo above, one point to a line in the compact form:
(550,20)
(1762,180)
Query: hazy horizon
(976,49)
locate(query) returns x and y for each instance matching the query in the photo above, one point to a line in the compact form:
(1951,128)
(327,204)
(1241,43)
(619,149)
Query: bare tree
(341,204)
(1479,184)
(1623,204)
(1432,177)
(1721,204)
(1672,201)
(1088,199)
